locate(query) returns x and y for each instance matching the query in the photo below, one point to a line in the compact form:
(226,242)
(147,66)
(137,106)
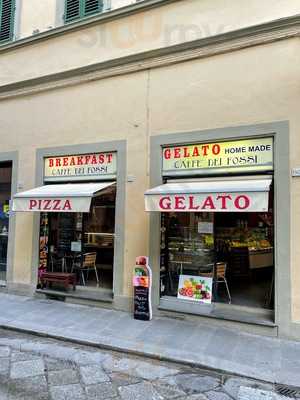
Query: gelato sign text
(218,157)
(80,167)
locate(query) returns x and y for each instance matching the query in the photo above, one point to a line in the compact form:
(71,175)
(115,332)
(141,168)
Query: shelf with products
(194,251)
(257,238)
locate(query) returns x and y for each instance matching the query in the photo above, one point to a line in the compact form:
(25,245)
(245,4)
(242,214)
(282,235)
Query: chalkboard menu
(142,291)
(66,232)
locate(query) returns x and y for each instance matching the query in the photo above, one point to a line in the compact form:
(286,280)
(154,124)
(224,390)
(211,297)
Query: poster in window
(195,288)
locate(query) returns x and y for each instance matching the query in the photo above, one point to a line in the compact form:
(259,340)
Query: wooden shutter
(72,10)
(92,6)
(7,13)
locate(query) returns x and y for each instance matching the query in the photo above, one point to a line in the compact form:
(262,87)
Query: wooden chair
(218,273)
(86,262)
(220,276)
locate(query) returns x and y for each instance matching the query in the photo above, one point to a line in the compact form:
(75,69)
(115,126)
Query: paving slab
(214,395)
(120,379)
(193,383)
(105,391)
(91,374)
(29,386)
(140,391)
(63,377)
(67,392)
(191,342)
(246,393)
(24,369)
(232,386)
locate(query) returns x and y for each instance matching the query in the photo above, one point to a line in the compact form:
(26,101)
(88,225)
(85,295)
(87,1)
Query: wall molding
(262,34)
(87,22)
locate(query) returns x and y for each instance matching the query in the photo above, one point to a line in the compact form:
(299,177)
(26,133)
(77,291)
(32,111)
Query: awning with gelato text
(236,195)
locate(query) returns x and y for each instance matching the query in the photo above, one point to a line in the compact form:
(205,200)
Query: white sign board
(81,167)
(195,288)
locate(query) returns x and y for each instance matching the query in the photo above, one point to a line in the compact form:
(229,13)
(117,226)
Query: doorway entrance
(5,195)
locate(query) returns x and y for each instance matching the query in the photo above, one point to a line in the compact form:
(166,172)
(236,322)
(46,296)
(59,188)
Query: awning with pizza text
(72,197)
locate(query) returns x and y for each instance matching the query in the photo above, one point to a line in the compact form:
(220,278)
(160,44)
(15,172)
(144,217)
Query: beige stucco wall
(226,90)
(36,16)
(158,27)
(82,114)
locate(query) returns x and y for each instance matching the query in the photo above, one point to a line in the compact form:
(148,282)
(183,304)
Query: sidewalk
(269,359)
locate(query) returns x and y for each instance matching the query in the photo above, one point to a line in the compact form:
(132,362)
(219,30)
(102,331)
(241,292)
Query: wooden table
(58,277)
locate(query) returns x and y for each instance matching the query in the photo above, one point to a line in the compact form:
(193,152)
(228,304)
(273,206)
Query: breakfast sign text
(219,157)
(80,167)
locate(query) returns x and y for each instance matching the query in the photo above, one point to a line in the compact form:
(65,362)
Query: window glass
(235,249)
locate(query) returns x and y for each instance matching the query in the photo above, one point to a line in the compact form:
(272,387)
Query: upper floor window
(76,9)
(7,14)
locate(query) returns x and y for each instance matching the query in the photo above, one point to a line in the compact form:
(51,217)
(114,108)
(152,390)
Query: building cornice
(122,12)
(266,33)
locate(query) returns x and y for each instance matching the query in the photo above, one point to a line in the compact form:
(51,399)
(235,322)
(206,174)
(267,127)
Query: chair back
(221,269)
(89,260)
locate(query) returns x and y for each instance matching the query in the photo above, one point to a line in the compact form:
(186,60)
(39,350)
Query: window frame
(82,13)
(11,22)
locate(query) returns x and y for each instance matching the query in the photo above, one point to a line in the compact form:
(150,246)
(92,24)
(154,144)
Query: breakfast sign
(218,157)
(80,167)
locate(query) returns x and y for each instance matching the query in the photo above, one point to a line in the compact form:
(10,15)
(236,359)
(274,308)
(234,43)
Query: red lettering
(79,160)
(186,152)
(216,149)
(65,161)
(57,162)
(109,158)
(56,205)
(94,159)
(179,203)
(208,203)
(87,159)
(47,205)
(204,149)
(40,205)
(67,205)
(242,202)
(32,204)
(101,158)
(196,152)
(51,162)
(72,161)
(224,197)
(191,203)
(167,154)
(165,203)
(177,152)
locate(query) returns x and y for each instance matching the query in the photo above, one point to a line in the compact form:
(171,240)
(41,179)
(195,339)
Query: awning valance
(73,197)
(239,195)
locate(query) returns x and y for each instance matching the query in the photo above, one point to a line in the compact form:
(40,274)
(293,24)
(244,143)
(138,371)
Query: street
(36,368)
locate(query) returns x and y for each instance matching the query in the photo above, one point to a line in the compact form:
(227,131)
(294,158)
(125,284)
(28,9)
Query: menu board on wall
(218,157)
(80,167)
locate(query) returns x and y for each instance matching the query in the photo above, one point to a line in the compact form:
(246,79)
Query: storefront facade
(141,103)
(269,139)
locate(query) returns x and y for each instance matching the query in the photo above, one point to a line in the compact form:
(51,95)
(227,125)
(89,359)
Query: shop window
(68,240)
(7,14)
(236,246)
(77,9)
(5,194)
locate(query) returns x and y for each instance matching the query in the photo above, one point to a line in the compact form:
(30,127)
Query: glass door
(5,195)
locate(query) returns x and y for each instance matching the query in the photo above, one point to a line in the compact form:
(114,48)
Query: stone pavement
(268,359)
(35,368)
